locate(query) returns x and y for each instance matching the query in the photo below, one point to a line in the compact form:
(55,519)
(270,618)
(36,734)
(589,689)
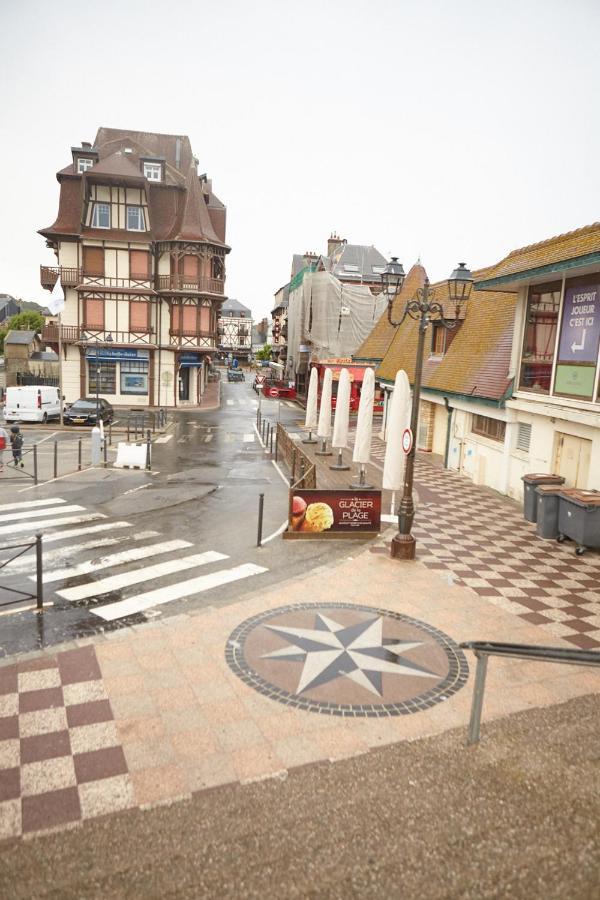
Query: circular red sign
(407,440)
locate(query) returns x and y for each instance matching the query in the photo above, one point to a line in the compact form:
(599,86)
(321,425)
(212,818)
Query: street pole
(60,369)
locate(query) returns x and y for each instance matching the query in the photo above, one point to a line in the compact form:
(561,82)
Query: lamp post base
(310,439)
(339,465)
(403,546)
(323,451)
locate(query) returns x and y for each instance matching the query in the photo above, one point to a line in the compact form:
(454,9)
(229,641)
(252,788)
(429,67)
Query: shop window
(139,265)
(94,314)
(93,261)
(134,377)
(494,429)
(139,314)
(107,372)
(540,337)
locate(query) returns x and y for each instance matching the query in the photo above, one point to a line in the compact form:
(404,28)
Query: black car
(87,411)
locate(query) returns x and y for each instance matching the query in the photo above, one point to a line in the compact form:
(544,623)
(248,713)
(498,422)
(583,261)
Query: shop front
(191,377)
(119,374)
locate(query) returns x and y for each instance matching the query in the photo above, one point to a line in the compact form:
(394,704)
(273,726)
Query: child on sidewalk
(16,443)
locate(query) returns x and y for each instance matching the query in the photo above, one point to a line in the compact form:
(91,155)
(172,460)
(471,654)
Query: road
(122,547)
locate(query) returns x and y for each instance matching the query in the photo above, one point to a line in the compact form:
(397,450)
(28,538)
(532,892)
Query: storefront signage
(190,359)
(579,341)
(116,353)
(331,512)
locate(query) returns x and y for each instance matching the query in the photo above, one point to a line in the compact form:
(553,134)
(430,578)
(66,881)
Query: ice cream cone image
(318,517)
(298,513)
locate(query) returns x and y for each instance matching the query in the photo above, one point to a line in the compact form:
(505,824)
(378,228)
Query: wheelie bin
(530,482)
(579,518)
(547,510)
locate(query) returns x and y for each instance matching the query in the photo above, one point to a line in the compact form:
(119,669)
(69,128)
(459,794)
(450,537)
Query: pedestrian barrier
(22,595)
(131,456)
(484,649)
(302,471)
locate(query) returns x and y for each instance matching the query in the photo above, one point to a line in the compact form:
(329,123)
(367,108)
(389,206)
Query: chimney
(178,152)
(333,243)
(85,145)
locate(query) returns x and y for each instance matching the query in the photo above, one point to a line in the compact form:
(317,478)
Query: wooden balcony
(69,276)
(198,285)
(75,334)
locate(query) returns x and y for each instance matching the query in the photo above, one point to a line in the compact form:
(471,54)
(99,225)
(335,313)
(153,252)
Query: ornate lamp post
(424,308)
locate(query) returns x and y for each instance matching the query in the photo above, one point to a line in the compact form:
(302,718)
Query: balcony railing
(69,276)
(74,334)
(200,284)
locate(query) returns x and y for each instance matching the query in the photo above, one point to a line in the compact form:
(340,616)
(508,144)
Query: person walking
(4,439)
(16,443)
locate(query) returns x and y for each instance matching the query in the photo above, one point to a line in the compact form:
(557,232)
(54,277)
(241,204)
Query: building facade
(140,248)
(279,324)
(235,330)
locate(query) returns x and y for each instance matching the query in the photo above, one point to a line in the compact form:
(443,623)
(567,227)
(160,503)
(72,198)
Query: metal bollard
(127,430)
(148,456)
(35,469)
(56,459)
(271,442)
(110,433)
(261,504)
(79,455)
(105,452)
(38,572)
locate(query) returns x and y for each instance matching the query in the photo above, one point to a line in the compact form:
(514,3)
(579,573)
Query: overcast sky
(452,131)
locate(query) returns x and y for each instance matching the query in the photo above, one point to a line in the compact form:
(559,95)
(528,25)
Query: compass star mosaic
(346,659)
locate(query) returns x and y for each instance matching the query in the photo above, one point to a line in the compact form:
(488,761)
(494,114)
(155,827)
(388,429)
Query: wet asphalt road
(208,472)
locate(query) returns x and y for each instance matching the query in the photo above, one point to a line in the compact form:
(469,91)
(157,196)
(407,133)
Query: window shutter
(94,314)
(190,266)
(138,316)
(190,319)
(93,261)
(523,437)
(204,319)
(139,264)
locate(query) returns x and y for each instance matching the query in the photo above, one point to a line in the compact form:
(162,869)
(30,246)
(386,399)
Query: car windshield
(84,405)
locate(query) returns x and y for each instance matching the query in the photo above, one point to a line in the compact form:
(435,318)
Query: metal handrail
(484,649)
(39,593)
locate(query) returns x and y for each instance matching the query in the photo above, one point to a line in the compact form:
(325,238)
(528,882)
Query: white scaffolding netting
(331,318)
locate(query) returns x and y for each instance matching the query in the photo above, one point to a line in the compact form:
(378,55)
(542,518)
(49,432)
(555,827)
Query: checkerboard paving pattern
(482,541)
(60,757)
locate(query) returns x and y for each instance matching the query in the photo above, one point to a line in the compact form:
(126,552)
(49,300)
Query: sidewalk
(356,655)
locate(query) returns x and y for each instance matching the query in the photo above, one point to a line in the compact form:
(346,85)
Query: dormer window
(83,164)
(101,215)
(135,219)
(153,171)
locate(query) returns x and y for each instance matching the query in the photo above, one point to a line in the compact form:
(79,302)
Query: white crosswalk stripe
(248,439)
(39,513)
(79,532)
(177,591)
(115,582)
(164,439)
(27,504)
(115,559)
(33,527)
(59,554)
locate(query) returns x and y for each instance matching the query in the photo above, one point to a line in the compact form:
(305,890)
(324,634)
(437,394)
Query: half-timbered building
(235,329)
(140,248)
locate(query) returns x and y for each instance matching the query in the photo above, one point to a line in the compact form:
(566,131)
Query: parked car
(275,390)
(84,412)
(31,404)
(235,375)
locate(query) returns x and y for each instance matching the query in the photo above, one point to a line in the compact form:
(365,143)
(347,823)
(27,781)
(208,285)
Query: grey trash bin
(579,518)
(547,510)
(530,482)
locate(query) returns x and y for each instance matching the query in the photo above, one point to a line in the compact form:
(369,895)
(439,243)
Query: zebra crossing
(82,554)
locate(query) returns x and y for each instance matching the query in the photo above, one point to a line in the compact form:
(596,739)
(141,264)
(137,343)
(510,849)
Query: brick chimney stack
(333,243)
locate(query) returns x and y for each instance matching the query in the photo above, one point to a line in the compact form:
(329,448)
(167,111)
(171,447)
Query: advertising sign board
(579,341)
(335,512)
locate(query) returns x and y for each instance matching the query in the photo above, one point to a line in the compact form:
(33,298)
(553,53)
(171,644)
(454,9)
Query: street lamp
(423,308)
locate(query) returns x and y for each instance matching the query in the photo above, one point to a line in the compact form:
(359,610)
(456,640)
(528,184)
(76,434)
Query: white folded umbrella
(398,421)
(311,401)
(364,425)
(342,412)
(324,427)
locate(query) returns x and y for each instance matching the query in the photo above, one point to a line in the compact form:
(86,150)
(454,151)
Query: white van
(35,403)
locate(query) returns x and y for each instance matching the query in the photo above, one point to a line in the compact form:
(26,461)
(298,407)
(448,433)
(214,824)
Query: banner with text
(579,341)
(335,511)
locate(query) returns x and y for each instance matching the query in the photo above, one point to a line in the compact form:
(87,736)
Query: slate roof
(549,253)
(477,361)
(181,207)
(374,348)
(44,356)
(19,337)
(231,305)
(362,256)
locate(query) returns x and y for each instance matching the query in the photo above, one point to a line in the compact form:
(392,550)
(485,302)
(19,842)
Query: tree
(23,321)
(264,352)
